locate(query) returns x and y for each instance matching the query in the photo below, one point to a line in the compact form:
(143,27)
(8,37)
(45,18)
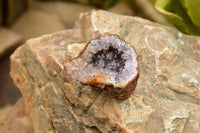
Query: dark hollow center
(110,59)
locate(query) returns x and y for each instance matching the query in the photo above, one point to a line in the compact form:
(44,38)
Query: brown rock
(9,40)
(166,98)
(38,22)
(67,12)
(16,121)
(4,112)
(122,8)
(9,93)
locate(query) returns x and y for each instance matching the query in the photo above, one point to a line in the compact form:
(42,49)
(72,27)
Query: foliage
(184,14)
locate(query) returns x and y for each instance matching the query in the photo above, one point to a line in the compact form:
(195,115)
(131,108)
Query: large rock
(15,119)
(9,41)
(67,12)
(34,23)
(166,98)
(9,93)
(121,8)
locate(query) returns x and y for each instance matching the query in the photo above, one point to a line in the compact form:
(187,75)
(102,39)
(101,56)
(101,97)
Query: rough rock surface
(166,98)
(4,112)
(15,119)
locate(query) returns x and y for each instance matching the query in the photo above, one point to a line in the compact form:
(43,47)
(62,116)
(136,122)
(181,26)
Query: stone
(15,119)
(9,93)
(107,62)
(9,41)
(166,98)
(67,12)
(38,22)
(4,112)
(122,8)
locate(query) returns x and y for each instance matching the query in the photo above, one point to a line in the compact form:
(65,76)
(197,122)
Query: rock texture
(166,98)
(15,119)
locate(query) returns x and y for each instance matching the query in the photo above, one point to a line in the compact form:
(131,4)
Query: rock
(7,45)
(16,120)
(9,93)
(166,98)
(38,22)
(4,112)
(122,8)
(107,62)
(68,12)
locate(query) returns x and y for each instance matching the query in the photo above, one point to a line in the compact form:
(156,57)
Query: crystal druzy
(107,62)
(109,59)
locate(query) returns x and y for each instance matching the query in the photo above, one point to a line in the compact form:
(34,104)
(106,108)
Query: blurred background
(21,20)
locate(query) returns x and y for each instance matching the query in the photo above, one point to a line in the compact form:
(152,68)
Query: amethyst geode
(107,62)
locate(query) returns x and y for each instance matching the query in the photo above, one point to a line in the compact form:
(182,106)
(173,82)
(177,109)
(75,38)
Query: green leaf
(193,10)
(177,13)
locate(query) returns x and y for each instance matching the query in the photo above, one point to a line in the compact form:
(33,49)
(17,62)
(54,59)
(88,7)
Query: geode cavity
(109,62)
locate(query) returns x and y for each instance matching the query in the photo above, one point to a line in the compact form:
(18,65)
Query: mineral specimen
(107,62)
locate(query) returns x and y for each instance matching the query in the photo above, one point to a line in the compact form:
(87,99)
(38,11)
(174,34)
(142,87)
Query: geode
(107,62)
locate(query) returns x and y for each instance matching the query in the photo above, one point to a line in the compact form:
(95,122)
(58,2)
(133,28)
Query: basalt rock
(166,98)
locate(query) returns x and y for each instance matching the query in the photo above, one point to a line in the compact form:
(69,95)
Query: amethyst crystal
(109,62)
